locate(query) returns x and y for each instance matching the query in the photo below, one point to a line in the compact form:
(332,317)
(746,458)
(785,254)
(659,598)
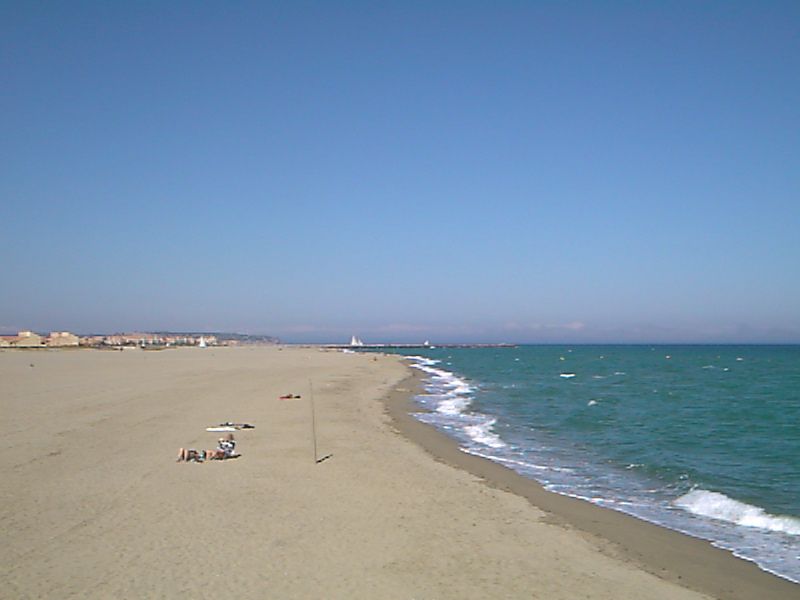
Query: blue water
(700,439)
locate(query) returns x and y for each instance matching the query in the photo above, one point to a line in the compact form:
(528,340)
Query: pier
(412,346)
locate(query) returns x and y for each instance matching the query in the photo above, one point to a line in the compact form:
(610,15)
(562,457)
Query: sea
(704,440)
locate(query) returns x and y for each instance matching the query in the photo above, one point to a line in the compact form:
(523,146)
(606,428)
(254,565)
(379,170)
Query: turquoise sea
(700,439)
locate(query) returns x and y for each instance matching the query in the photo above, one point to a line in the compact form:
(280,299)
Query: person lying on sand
(288,397)
(192,455)
(226,448)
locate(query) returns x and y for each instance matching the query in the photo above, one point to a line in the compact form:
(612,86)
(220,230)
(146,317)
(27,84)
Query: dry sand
(95,506)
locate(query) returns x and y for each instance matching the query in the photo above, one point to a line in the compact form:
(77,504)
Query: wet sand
(95,506)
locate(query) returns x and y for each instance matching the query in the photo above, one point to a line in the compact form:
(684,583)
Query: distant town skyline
(459,172)
(510,334)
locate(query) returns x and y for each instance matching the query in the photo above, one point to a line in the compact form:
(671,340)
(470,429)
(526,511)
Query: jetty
(426,346)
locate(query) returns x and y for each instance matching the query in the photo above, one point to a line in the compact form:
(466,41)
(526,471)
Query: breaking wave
(722,508)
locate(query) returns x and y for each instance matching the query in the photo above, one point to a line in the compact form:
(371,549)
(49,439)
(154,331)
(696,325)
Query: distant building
(28,339)
(24,339)
(61,339)
(92,340)
(143,340)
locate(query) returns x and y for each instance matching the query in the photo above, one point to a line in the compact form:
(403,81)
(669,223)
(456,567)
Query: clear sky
(457,171)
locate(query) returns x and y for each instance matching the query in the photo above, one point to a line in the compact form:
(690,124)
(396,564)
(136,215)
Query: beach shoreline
(95,505)
(676,557)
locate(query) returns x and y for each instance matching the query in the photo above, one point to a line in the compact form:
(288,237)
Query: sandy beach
(95,506)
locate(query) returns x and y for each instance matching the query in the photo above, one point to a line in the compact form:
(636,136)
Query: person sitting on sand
(226,448)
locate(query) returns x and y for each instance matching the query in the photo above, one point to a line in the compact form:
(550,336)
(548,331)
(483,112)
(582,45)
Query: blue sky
(458,171)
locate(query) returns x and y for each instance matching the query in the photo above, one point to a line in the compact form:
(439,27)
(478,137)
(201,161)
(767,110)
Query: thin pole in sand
(314,424)
(313,418)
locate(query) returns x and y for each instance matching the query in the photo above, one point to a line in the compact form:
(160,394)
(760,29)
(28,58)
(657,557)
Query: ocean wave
(452,397)
(453,405)
(451,393)
(522,464)
(722,508)
(422,361)
(483,434)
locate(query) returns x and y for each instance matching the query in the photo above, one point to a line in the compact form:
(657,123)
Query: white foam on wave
(483,434)
(453,392)
(423,361)
(722,508)
(453,405)
(453,397)
(525,465)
